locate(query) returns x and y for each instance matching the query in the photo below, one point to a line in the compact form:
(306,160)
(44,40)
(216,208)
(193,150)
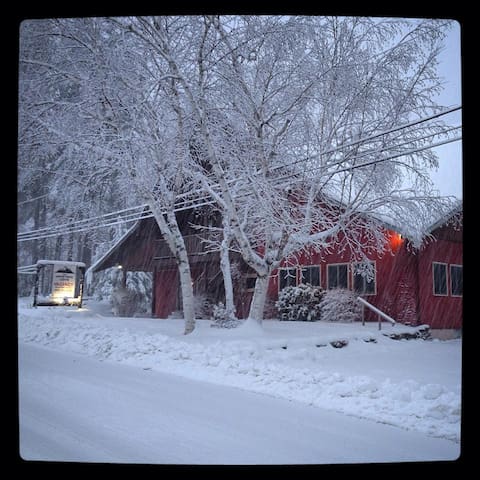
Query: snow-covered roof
(457,210)
(60,262)
(94,265)
(405,230)
(383,220)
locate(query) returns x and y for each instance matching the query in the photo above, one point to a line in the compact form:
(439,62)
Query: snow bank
(410,384)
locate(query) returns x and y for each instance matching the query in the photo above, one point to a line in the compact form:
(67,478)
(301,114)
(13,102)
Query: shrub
(136,298)
(300,303)
(126,302)
(202,306)
(340,305)
(222,318)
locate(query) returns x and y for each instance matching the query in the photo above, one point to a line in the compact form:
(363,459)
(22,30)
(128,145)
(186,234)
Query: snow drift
(414,384)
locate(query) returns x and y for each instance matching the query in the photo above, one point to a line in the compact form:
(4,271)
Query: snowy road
(76,408)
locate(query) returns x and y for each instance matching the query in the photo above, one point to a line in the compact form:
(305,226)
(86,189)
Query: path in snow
(76,408)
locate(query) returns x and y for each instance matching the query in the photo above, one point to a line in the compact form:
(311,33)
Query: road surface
(75,408)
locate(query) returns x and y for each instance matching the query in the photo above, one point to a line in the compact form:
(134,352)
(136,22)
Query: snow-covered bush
(142,284)
(202,306)
(340,305)
(222,318)
(126,302)
(300,303)
(135,299)
(100,285)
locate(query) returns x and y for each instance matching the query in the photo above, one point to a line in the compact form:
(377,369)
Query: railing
(377,311)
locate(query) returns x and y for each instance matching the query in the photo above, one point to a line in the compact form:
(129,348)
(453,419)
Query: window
(337,275)
(439,278)
(363,285)
(456,280)
(250,281)
(310,275)
(287,277)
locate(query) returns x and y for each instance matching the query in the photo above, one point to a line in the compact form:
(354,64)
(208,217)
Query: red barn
(413,286)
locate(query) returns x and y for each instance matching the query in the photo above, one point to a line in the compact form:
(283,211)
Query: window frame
(280,288)
(247,277)
(363,292)
(347,276)
(300,275)
(446,279)
(451,283)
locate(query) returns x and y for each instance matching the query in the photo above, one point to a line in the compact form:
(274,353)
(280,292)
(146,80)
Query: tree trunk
(80,247)
(173,237)
(185,275)
(58,248)
(187,292)
(36,226)
(227,276)
(258,301)
(71,241)
(43,222)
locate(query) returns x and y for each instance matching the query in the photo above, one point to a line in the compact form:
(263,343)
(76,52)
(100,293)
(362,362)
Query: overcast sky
(448,177)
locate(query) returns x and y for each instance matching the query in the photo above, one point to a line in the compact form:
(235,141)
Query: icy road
(76,408)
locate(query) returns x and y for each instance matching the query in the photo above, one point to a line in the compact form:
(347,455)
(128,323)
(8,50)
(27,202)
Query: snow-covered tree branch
(305,131)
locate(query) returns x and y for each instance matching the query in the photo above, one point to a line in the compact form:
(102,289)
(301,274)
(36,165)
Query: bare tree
(305,130)
(296,154)
(125,117)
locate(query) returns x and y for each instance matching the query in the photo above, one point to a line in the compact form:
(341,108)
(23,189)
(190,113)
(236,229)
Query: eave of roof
(95,267)
(458,209)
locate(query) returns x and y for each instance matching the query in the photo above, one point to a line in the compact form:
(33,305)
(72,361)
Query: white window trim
(300,273)
(450,282)
(348,273)
(287,268)
(446,279)
(374,278)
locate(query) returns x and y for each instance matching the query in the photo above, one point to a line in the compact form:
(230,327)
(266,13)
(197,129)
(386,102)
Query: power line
(135,214)
(32,199)
(84,220)
(362,140)
(402,154)
(208,201)
(194,202)
(376,135)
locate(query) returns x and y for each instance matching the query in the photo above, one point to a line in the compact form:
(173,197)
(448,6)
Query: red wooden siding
(395,268)
(435,310)
(404,276)
(207,282)
(242,303)
(166,292)
(404,281)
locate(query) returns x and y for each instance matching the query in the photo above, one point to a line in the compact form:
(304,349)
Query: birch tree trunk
(186,286)
(258,301)
(227,275)
(173,237)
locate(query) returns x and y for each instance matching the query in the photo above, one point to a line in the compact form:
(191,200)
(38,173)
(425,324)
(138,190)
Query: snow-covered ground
(414,385)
